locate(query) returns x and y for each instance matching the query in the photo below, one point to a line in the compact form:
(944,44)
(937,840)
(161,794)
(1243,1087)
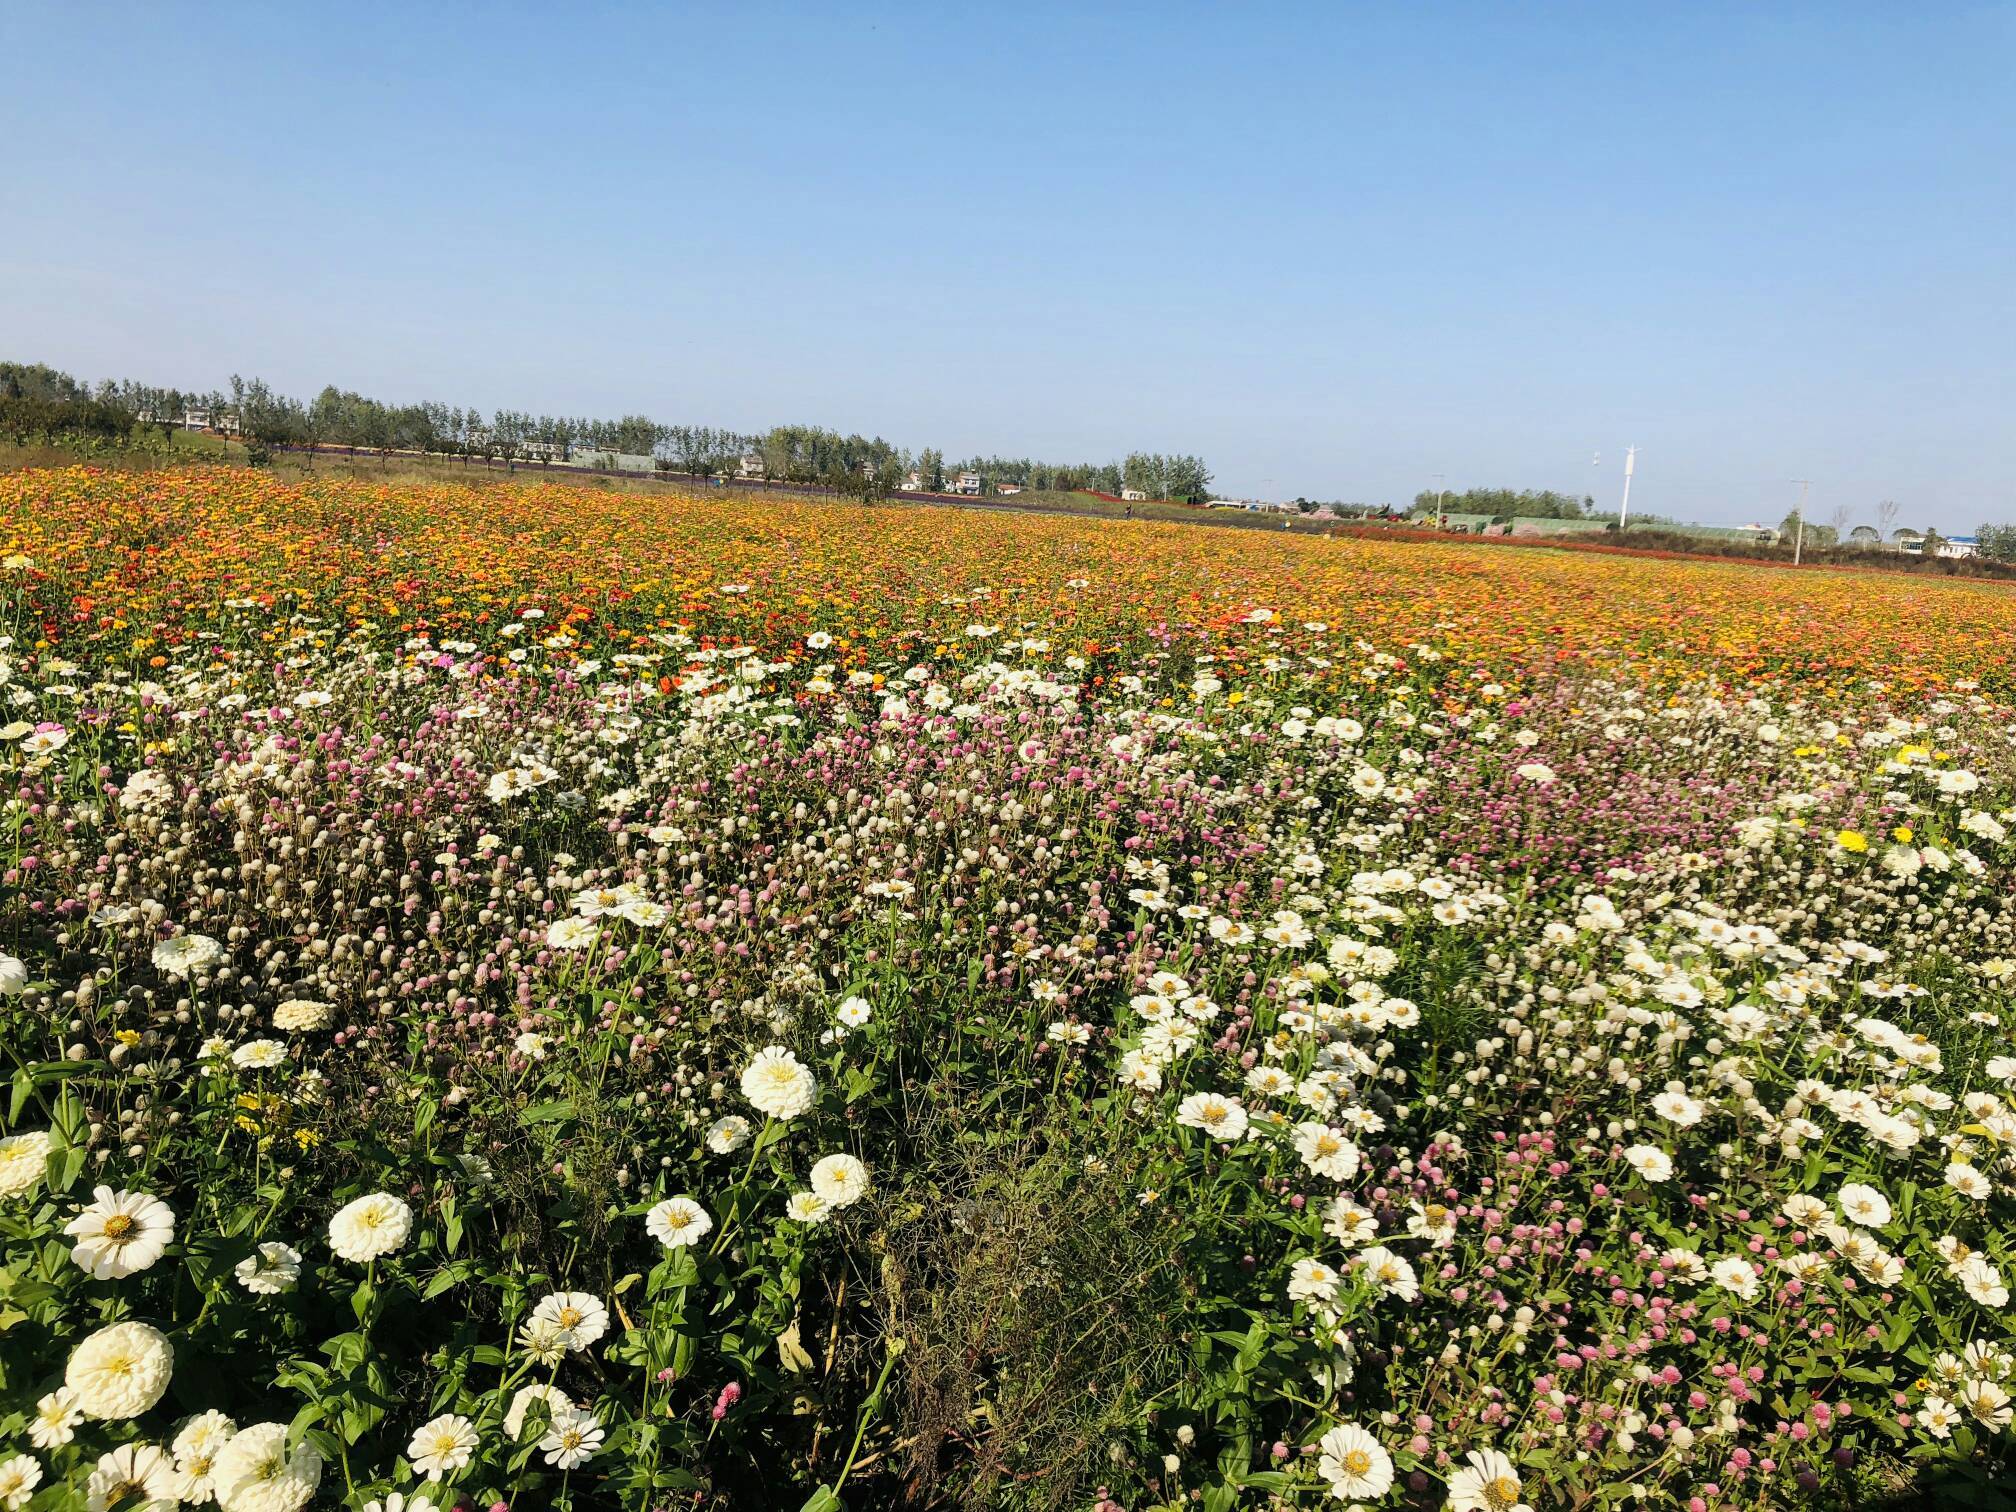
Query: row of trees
(35,399)
(1507,503)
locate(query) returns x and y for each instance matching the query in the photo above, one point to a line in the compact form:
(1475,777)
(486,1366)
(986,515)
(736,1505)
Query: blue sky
(1334,249)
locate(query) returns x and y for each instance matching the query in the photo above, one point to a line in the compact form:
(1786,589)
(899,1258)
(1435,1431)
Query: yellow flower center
(570,1317)
(118,1226)
(1501,1494)
(1357,1462)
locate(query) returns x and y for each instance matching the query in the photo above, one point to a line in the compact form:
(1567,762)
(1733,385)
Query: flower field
(542,997)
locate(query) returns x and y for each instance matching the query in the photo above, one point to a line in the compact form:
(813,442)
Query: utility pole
(1439,491)
(1630,466)
(1799,531)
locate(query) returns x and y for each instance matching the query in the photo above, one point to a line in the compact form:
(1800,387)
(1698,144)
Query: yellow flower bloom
(1852,840)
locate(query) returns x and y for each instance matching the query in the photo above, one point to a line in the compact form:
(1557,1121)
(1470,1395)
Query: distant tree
(1816,534)
(1886,516)
(1186,478)
(1996,542)
(1503,503)
(1865,535)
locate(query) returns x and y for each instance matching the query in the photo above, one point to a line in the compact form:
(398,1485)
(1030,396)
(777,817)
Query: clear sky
(1334,249)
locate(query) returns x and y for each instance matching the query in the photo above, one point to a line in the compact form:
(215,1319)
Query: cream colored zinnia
(778,1084)
(132,1478)
(302,1014)
(120,1371)
(840,1180)
(23,1158)
(369,1227)
(257,1472)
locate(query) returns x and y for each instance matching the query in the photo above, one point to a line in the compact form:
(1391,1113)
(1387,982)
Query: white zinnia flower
(1678,1108)
(20,1474)
(23,1161)
(1488,1483)
(1220,1117)
(120,1371)
(299,1015)
(196,1448)
(572,1441)
(1391,1272)
(259,1054)
(727,1134)
(271,1269)
(256,1472)
(133,1478)
(579,1317)
(1355,1464)
(120,1233)
(1311,1278)
(1983,1282)
(1864,1205)
(555,1399)
(572,933)
(1966,1179)
(840,1180)
(778,1084)
(1326,1152)
(186,954)
(446,1444)
(806,1207)
(1652,1163)
(677,1222)
(369,1227)
(56,1418)
(1734,1273)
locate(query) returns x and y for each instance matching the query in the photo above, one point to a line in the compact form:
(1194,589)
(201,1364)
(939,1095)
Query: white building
(1133,496)
(605,460)
(965,483)
(751,465)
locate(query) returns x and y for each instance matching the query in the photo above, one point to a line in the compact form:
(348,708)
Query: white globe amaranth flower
(369,1227)
(120,1371)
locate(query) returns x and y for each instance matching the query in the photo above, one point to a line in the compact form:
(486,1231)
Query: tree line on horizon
(36,399)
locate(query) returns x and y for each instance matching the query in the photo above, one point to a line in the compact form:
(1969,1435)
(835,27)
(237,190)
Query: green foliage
(1996,542)
(1504,503)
